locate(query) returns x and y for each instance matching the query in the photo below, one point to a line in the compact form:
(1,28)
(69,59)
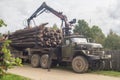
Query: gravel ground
(56,74)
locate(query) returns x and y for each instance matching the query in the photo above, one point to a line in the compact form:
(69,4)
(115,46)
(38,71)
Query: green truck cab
(79,45)
(82,54)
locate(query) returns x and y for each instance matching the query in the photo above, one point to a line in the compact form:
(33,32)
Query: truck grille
(96,51)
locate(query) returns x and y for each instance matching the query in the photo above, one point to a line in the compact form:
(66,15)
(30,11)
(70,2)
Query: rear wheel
(44,61)
(80,64)
(35,60)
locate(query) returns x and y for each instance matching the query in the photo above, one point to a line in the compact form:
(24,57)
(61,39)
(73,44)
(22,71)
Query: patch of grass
(13,77)
(108,73)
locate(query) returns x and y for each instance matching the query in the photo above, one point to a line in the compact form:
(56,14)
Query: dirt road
(56,74)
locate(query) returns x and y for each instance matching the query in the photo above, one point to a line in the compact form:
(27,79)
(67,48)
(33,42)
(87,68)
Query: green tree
(2,23)
(112,41)
(7,61)
(55,27)
(97,34)
(82,28)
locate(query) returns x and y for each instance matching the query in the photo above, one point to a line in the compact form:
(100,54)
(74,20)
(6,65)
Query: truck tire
(98,65)
(44,61)
(80,64)
(35,60)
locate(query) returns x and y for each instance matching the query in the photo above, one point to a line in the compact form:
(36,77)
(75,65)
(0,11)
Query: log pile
(41,36)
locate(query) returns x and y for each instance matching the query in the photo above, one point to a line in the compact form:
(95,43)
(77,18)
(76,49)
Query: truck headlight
(103,52)
(108,56)
(88,52)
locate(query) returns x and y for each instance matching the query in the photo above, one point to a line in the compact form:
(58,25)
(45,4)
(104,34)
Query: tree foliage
(55,27)
(112,41)
(2,23)
(97,34)
(82,28)
(7,61)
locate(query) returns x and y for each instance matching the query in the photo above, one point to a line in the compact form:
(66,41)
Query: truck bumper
(97,57)
(93,57)
(106,57)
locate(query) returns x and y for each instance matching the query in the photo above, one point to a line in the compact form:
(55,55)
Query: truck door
(66,48)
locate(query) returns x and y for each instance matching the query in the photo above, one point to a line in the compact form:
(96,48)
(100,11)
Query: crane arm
(43,8)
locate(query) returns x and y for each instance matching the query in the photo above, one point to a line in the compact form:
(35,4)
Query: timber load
(39,36)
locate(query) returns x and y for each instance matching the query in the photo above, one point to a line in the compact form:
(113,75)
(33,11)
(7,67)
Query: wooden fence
(114,62)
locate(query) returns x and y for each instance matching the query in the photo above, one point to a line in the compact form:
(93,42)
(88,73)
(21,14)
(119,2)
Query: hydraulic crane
(63,18)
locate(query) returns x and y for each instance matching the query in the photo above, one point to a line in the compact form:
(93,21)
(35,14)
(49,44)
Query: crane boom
(45,7)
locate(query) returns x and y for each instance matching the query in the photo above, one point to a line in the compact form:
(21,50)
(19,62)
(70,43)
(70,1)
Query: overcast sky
(104,13)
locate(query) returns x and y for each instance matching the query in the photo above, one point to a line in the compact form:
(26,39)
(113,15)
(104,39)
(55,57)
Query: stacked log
(41,36)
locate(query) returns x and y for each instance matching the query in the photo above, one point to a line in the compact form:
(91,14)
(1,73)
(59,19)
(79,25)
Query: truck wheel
(98,65)
(80,64)
(35,60)
(44,61)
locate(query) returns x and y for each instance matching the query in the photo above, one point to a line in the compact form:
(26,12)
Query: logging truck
(74,50)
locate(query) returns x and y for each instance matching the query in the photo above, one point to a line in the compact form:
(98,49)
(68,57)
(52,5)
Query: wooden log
(44,37)
(25,34)
(27,40)
(26,37)
(26,30)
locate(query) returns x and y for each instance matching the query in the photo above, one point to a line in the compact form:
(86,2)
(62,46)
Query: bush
(6,60)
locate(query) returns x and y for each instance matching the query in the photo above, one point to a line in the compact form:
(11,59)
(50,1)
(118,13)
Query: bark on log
(40,35)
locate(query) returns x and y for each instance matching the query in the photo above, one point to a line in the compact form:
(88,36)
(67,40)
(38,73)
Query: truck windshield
(79,40)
